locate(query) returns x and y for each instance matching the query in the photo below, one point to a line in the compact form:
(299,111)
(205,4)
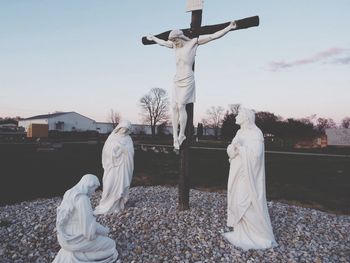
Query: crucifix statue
(185,43)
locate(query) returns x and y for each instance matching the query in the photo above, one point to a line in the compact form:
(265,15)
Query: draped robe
(78,232)
(247,208)
(118,165)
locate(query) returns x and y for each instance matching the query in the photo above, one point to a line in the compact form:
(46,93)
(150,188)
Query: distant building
(10,132)
(73,121)
(146,129)
(141,129)
(104,127)
(208,131)
(338,136)
(8,126)
(38,130)
(315,142)
(61,121)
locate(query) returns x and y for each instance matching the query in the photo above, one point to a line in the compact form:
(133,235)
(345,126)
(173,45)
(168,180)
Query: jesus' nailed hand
(184,91)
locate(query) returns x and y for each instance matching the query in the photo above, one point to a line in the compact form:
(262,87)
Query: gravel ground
(151,230)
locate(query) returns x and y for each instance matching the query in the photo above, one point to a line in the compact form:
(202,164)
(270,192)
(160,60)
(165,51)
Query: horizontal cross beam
(205,30)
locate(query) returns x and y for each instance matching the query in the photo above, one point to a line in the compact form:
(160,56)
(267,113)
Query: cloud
(323,55)
(344,60)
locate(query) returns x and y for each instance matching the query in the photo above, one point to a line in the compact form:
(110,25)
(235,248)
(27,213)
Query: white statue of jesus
(184,91)
(247,209)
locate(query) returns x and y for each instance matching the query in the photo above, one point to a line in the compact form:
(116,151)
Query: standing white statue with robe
(247,210)
(118,165)
(184,91)
(81,238)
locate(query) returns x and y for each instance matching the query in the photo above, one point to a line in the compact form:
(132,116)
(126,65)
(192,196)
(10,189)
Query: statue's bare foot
(176,144)
(181,139)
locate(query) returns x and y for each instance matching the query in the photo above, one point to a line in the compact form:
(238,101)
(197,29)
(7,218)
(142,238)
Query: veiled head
(124,127)
(245,116)
(88,184)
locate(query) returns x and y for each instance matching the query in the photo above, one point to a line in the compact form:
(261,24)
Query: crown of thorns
(177,33)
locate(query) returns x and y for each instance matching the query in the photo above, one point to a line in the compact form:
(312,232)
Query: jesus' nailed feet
(178,141)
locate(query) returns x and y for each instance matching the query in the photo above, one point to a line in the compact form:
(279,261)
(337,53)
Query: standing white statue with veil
(81,238)
(247,208)
(118,165)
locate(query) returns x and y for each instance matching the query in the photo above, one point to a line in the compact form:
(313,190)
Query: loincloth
(184,90)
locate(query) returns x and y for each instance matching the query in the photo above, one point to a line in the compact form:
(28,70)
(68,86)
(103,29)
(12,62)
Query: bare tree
(206,125)
(323,124)
(345,123)
(214,118)
(114,117)
(234,108)
(154,107)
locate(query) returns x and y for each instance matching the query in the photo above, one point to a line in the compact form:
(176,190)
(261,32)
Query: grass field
(319,182)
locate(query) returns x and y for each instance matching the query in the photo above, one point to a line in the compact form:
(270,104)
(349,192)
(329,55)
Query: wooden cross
(195,30)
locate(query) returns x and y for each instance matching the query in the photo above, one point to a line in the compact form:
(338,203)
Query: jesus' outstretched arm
(161,42)
(207,38)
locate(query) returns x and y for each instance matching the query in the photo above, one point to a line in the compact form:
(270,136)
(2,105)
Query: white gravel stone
(151,229)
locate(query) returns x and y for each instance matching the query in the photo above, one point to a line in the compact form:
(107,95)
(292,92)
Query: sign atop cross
(185,45)
(193,5)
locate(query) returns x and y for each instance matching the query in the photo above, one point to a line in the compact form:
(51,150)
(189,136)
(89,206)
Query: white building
(146,129)
(61,121)
(72,121)
(338,136)
(104,127)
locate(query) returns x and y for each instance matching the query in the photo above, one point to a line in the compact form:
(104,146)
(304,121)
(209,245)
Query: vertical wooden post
(196,21)
(184,187)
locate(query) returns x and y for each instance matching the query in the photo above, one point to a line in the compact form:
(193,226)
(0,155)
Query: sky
(87,56)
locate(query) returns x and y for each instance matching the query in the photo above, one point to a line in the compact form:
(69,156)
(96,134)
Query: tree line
(155,106)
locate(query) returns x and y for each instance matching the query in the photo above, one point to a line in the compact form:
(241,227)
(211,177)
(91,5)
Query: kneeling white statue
(118,165)
(81,238)
(247,210)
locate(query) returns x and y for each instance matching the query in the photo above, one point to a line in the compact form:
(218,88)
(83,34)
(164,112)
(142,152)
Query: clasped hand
(233,150)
